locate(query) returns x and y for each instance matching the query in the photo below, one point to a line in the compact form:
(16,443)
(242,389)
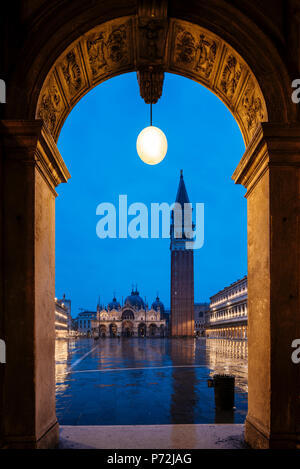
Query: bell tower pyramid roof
(182,196)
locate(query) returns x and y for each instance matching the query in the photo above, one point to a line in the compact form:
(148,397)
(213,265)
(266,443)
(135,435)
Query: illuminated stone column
(31,167)
(270,170)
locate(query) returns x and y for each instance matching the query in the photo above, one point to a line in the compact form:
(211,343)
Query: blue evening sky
(98,144)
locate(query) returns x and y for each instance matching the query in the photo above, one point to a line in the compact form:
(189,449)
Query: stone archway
(128,314)
(142,330)
(127,328)
(102,331)
(153,330)
(200,42)
(113,330)
(110,49)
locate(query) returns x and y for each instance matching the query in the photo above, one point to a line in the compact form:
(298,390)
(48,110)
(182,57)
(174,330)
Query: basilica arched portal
(238,61)
(113,330)
(152,330)
(142,330)
(103,331)
(127,328)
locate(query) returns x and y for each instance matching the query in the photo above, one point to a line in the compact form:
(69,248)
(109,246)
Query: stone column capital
(272,145)
(32,143)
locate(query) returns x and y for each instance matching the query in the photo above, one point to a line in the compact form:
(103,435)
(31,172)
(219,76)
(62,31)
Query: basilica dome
(114,304)
(134,300)
(158,304)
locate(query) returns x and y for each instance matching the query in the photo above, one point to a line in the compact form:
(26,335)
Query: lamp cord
(151,99)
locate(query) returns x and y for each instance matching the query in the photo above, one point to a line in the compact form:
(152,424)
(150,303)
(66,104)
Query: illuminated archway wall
(192,51)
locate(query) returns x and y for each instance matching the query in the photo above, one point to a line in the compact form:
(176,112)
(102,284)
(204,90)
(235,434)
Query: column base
(47,441)
(259,439)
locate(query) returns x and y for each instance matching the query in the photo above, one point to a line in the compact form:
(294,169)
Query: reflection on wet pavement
(146,381)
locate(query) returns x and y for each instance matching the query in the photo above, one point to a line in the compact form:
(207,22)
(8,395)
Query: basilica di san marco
(134,319)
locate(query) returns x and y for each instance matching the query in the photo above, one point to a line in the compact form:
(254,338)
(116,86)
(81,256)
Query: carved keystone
(151,33)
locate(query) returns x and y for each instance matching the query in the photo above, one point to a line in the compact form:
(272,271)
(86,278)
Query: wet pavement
(146,381)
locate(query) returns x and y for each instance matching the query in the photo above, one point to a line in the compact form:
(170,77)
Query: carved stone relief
(72,73)
(95,48)
(185,47)
(251,107)
(152,39)
(152,47)
(197,52)
(151,36)
(51,104)
(231,75)
(201,55)
(106,50)
(151,84)
(205,56)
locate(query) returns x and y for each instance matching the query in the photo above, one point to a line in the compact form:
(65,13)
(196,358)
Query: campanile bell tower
(182,272)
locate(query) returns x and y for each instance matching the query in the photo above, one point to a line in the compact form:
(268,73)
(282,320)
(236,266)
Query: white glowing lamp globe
(151,145)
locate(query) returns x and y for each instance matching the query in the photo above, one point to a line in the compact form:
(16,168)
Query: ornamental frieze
(193,50)
(152,47)
(231,75)
(72,73)
(185,47)
(96,54)
(108,50)
(51,105)
(251,107)
(205,56)
(103,52)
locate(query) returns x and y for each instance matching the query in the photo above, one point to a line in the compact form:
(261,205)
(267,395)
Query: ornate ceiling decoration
(151,44)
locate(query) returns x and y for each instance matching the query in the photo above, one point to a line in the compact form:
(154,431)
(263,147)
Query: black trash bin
(224,391)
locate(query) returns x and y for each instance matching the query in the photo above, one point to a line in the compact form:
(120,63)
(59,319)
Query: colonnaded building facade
(134,319)
(63,318)
(227,316)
